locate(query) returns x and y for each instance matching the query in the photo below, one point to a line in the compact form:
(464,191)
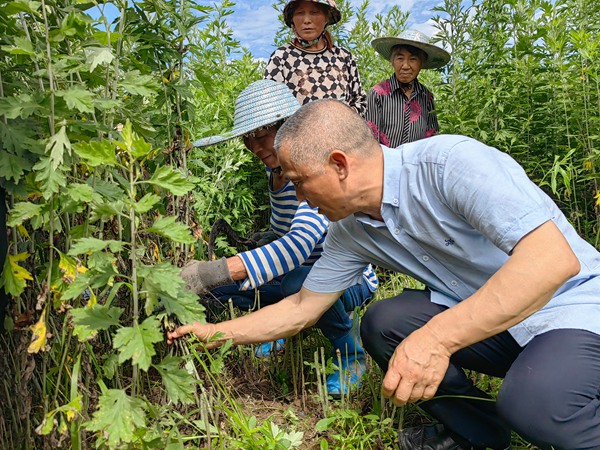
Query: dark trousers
(551,389)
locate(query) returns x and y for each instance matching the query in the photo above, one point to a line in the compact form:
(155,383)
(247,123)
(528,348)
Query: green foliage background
(107,196)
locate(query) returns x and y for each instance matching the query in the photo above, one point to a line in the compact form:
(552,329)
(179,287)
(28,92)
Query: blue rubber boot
(353,365)
(265,350)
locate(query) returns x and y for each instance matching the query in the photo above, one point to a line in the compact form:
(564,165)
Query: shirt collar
(395,85)
(392,163)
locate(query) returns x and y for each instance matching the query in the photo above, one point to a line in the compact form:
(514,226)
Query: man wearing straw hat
(511,289)
(400,109)
(277,269)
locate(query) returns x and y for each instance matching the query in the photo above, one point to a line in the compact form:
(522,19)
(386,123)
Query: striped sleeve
(296,247)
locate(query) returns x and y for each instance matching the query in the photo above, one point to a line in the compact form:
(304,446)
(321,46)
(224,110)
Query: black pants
(551,389)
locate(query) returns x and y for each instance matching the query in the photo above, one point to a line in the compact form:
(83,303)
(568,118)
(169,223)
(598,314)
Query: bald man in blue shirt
(511,289)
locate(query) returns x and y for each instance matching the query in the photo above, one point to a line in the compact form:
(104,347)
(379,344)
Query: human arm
(356,96)
(282,319)
(373,115)
(306,229)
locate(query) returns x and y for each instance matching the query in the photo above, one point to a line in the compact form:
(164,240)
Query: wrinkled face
(309,20)
(319,188)
(406,65)
(261,142)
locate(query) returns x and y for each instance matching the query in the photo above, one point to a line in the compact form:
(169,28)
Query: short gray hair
(320,127)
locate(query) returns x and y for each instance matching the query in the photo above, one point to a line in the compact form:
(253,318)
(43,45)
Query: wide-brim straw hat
(436,56)
(261,104)
(334,13)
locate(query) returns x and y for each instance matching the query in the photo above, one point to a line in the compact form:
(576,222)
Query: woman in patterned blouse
(400,109)
(311,65)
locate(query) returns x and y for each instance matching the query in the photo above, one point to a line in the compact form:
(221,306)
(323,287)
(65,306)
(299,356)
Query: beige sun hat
(436,56)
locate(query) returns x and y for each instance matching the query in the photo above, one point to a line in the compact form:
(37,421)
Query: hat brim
(334,14)
(234,133)
(436,56)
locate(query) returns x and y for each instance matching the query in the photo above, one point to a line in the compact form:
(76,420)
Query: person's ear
(338,160)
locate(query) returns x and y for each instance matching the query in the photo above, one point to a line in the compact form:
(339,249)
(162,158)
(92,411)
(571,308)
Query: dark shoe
(427,437)
(431,437)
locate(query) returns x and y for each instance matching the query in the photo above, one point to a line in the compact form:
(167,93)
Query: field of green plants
(107,198)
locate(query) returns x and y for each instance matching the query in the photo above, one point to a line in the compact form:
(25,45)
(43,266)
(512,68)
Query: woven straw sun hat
(334,13)
(262,103)
(436,56)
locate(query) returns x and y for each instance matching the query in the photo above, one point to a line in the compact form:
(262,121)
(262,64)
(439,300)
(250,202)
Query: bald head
(322,126)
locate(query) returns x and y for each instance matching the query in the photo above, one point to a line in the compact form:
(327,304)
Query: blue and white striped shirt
(301,230)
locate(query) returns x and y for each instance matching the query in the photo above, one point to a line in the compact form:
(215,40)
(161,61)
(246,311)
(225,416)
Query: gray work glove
(202,276)
(264,237)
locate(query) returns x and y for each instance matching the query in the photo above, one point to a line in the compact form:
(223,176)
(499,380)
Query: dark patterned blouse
(395,119)
(316,75)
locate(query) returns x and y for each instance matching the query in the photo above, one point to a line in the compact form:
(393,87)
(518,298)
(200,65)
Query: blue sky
(254,22)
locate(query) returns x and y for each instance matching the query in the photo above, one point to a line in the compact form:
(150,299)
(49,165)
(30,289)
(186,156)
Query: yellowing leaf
(23,231)
(93,299)
(597,197)
(68,267)
(38,339)
(14,277)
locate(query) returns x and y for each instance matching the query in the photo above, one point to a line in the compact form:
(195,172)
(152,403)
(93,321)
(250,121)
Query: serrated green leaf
(118,416)
(57,145)
(172,180)
(78,98)
(104,211)
(137,342)
(22,105)
(110,191)
(22,46)
(11,107)
(51,179)
(96,153)
(92,245)
(180,385)
(137,84)
(162,278)
(185,306)
(22,6)
(134,144)
(21,212)
(98,56)
(104,37)
(77,287)
(13,166)
(14,277)
(97,317)
(176,231)
(80,192)
(19,138)
(146,203)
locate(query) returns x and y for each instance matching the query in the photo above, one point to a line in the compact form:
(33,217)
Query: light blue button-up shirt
(453,209)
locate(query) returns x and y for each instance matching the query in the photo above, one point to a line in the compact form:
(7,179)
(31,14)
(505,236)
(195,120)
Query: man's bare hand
(416,368)
(204,332)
